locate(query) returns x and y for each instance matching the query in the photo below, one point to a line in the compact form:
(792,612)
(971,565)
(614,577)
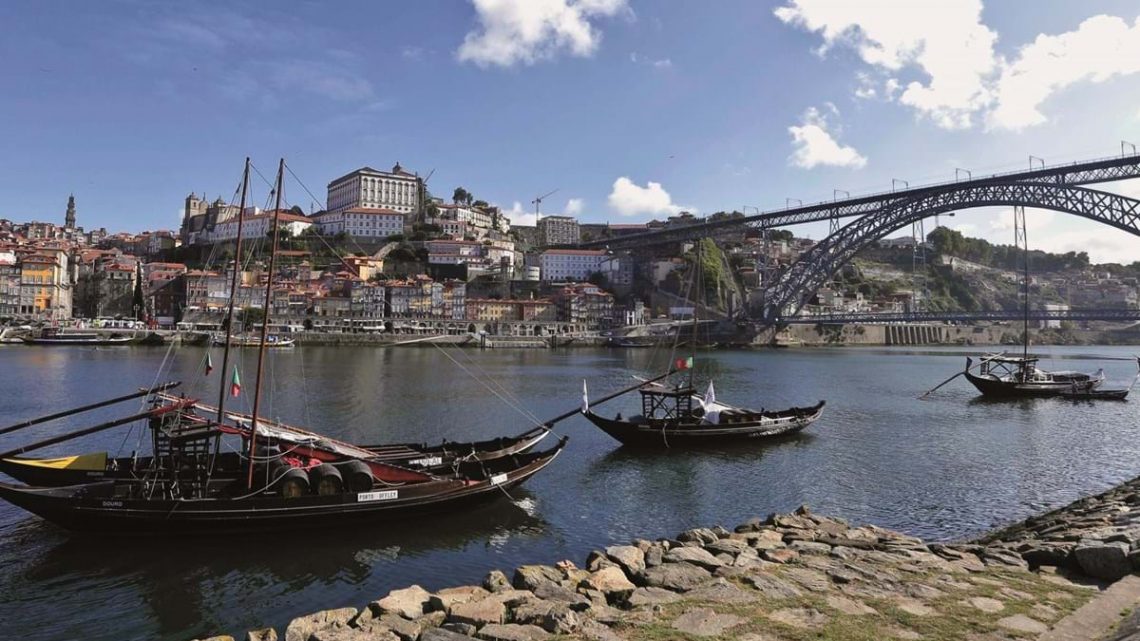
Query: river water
(944,468)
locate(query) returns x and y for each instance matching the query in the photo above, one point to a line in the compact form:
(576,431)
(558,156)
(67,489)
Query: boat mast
(696,301)
(1020,235)
(233,295)
(265,324)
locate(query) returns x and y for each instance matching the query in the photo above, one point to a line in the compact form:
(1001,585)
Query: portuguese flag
(235,383)
(209,364)
(684,363)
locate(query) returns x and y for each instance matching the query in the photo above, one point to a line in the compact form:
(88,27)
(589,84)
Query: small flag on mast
(683,363)
(585,398)
(235,383)
(209,364)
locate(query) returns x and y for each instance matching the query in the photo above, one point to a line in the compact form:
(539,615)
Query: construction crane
(538,201)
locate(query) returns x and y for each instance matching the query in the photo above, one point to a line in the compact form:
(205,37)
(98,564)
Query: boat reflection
(191,585)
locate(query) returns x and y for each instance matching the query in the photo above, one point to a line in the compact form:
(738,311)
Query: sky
(630,109)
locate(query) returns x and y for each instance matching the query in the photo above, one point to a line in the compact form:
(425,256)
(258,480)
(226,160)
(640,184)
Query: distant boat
(52,336)
(255,341)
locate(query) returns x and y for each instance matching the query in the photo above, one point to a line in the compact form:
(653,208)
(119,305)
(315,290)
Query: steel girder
(816,266)
(1082,173)
(1117,315)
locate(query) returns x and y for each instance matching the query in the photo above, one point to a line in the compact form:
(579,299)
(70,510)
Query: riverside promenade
(1066,575)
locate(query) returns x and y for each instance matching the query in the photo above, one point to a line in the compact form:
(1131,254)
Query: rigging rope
(491,389)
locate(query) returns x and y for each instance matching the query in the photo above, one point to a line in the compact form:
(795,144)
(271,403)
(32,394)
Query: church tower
(69,218)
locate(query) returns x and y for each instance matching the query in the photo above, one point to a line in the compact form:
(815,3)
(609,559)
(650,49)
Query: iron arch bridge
(1014,316)
(816,266)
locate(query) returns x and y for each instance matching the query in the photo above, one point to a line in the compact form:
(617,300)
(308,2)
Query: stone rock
(813,580)
(443,634)
(511,598)
(512,632)
(1134,559)
(751,525)
(220,637)
(597,560)
(923,591)
(986,604)
(594,631)
(678,577)
(478,613)
(559,594)
(629,557)
(528,577)
(810,547)
(703,622)
(799,617)
(849,606)
(699,535)
(301,628)
(409,602)
(695,555)
(611,582)
(496,581)
(914,607)
(1042,612)
(655,555)
(447,597)
(404,629)
(772,587)
(998,556)
(721,531)
(556,618)
(781,555)
(651,596)
(264,634)
(1103,561)
(720,591)
(843,575)
(729,546)
(352,634)
(1022,623)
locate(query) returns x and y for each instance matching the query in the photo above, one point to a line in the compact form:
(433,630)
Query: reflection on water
(946,467)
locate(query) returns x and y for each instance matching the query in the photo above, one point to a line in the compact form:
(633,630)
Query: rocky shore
(793,576)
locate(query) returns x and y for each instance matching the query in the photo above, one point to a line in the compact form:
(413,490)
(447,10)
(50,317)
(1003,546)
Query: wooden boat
(1018,377)
(271,340)
(53,336)
(1095,394)
(281,478)
(678,417)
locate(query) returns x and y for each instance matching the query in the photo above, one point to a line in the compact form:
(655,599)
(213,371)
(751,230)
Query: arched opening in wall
(471,328)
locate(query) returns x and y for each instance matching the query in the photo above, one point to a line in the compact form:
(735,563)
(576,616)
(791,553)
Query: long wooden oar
(598,401)
(931,390)
(158,411)
(85,408)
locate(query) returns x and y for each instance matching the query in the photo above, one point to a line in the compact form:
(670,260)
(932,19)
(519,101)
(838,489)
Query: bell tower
(69,217)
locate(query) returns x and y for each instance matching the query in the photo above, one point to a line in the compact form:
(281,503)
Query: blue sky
(631,109)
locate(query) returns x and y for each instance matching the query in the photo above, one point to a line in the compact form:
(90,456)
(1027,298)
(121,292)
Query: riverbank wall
(789,576)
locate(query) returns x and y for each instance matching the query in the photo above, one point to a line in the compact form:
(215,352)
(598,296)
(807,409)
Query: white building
(570,264)
(257,226)
(558,230)
(476,217)
(361,222)
(366,187)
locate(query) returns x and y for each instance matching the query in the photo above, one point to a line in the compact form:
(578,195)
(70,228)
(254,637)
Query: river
(944,468)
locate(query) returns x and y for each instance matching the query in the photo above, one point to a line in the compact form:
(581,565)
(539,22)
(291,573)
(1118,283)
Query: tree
(460,195)
(296,210)
(138,298)
(480,203)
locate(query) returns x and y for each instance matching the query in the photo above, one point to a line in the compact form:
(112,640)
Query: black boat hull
(96,508)
(1009,389)
(664,434)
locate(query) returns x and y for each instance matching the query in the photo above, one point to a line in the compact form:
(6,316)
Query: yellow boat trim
(93,462)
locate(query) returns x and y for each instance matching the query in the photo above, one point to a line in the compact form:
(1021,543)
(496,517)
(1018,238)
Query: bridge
(1110,315)
(1061,188)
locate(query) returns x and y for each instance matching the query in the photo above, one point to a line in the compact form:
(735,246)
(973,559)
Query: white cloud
(519,216)
(961,75)
(866,88)
(1102,245)
(945,39)
(815,145)
(574,206)
(528,31)
(1035,220)
(629,199)
(1100,49)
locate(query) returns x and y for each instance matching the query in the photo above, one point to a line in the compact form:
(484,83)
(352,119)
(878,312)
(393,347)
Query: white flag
(585,398)
(710,396)
(712,415)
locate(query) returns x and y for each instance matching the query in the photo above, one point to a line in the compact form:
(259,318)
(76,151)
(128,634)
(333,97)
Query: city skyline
(631,110)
